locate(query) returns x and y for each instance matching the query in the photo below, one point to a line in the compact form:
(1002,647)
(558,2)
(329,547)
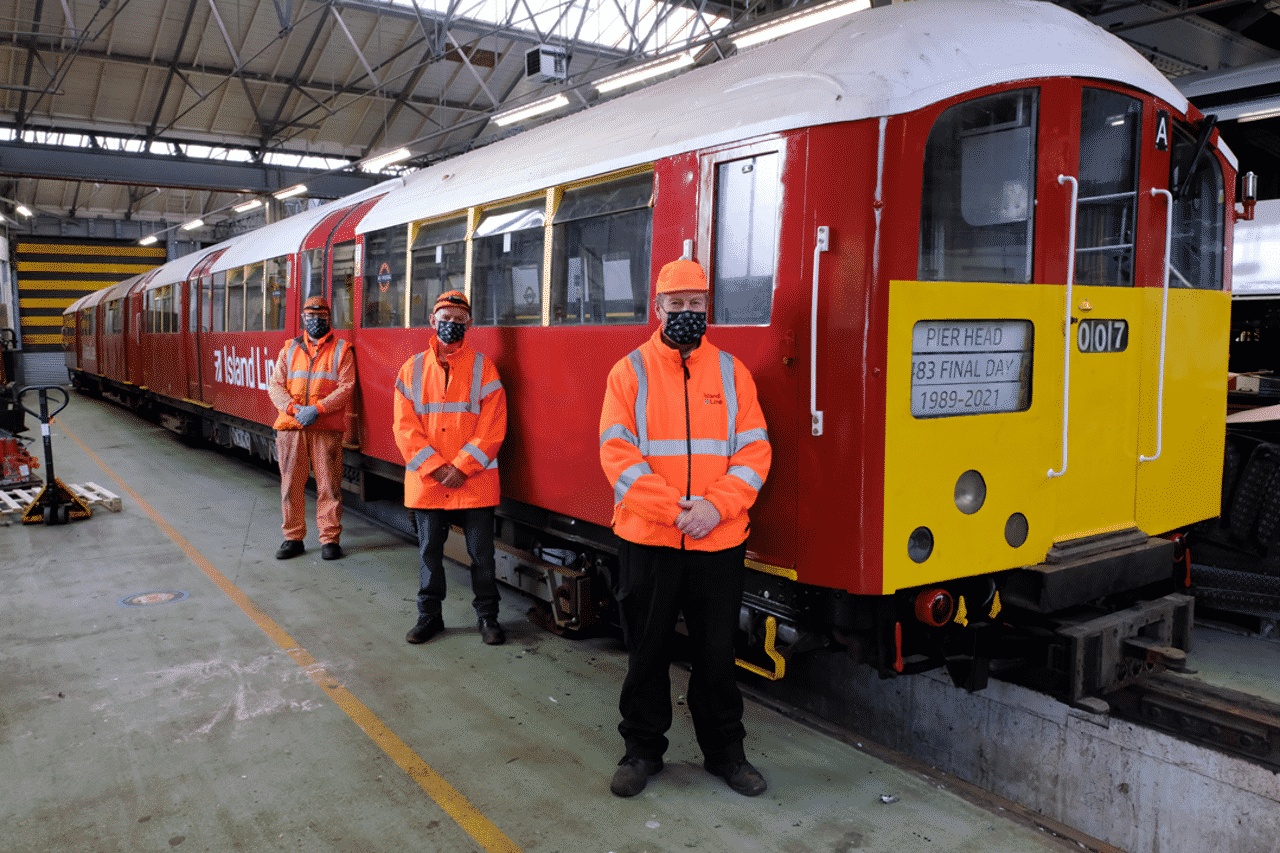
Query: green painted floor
(277,707)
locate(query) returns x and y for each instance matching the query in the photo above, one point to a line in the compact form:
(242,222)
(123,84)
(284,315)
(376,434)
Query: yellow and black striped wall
(54,272)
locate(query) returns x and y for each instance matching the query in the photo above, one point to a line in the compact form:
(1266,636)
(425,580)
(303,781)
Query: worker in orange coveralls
(450,414)
(312,384)
(685,447)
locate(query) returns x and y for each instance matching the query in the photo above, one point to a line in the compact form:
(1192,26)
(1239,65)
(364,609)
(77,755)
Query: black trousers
(653,586)
(433,530)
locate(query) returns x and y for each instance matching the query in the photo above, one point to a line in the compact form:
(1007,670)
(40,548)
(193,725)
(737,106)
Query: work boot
(427,627)
(740,776)
(490,631)
(290,548)
(330,551)
(632,775)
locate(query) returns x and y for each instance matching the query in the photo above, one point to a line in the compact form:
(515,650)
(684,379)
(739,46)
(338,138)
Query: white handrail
(1066,323)
(1164,321)
(820,246)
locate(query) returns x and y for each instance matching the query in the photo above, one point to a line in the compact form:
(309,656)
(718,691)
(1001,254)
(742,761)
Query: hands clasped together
(698,517)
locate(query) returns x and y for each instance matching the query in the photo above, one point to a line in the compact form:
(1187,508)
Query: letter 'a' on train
(972,252)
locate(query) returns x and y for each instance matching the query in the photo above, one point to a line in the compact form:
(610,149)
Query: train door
(199,288)
(1098,342)
(754,244)
(1180,439)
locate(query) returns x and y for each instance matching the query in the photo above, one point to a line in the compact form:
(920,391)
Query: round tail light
(935,607)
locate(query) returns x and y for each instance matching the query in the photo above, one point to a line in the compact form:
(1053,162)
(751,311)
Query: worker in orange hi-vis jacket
(312,385)
(684,444)
(450,413)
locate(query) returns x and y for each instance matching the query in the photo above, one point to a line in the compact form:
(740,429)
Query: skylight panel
(598,22)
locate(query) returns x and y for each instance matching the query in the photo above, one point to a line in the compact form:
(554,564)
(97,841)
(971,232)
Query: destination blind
(970,367)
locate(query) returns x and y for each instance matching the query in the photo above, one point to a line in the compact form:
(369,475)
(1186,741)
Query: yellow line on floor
(467,816)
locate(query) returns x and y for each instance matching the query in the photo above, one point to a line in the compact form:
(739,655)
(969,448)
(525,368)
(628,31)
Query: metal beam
(50,161)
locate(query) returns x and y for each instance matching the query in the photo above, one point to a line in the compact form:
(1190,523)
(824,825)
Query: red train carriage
(973,253)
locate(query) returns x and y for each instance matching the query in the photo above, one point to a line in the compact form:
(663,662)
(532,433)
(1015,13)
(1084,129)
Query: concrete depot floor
(232,719)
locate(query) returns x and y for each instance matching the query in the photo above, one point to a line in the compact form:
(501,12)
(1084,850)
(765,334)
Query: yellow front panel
(1111,420)
(1183,486)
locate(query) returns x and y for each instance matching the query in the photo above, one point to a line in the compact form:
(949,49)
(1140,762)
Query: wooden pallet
(16,501)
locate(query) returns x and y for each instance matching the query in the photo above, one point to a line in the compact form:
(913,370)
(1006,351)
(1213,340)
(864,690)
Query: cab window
(978,201)
(1107,206)
(600,253)
(1199,211)
(748,197)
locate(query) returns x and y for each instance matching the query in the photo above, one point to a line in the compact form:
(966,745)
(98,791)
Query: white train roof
(1255,268)
(878,62)
(284,237)
(179,268)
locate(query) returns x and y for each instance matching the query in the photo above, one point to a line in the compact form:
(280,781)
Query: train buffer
(14,501)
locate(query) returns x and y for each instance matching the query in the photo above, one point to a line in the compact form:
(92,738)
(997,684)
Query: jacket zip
(688,439)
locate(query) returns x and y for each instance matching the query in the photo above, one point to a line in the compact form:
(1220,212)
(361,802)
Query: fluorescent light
(645,72)
(375,164)
(800,21)
(1253,116)
(23,210)
(546,105)
(246,206)
(192,225)
(148,240)
(290,192)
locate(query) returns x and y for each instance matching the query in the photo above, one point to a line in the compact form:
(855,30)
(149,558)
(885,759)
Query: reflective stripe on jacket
(665,434)
(314,373)
(458,417)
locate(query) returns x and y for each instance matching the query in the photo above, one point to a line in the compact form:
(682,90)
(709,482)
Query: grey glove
(306,415)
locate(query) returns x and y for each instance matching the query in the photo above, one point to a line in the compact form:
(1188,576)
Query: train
(974,252)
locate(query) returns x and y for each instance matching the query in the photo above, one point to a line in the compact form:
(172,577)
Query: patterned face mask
(317,327)
(685,327)
(450,332)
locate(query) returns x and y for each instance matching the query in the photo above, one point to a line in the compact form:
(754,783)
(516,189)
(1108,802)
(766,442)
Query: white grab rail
(1164,321)
(820,246)
(1066,323)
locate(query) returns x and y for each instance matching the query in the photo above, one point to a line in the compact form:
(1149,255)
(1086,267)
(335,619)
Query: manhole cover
(144,599)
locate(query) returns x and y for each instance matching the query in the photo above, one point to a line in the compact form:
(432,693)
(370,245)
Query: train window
(86,321)
(206,304)
(277,288)
(235,300)
(193,305)
(115,317)
(384,277)
(253,298)
(437,263)
(217,314)
(1199,209)
(344,285)
(313,274)
(748,197)
(601,243)
(978,200)
(506,287)
(163,313)
(1110,133)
